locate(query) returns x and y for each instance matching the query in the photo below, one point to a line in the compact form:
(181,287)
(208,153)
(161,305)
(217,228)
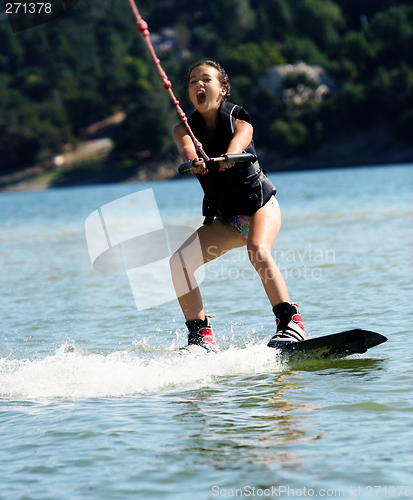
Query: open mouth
(201,96)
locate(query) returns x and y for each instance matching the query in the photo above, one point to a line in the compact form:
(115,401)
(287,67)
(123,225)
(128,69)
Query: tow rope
(143,28)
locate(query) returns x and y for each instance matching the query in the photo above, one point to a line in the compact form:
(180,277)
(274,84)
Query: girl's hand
(224,165)
(187,150)
(199,166)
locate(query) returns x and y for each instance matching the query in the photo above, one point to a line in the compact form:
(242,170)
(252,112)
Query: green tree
(289,136)
(303,49)
(394,29)
(362,49)
(60,77)
(149,124)
(275,19)
(321,21)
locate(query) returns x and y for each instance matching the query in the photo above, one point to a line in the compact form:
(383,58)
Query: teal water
(95,404)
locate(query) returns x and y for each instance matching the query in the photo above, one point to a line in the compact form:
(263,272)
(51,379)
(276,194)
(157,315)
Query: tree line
(58,78)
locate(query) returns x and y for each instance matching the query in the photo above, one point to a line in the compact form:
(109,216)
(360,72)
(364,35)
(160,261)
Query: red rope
(143,28)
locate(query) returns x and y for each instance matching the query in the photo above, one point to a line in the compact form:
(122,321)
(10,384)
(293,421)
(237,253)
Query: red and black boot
(290,326)
(201,337)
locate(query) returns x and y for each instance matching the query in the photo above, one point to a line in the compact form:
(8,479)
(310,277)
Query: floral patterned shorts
(242,222)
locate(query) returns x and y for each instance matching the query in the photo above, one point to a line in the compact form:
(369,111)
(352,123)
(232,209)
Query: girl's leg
(263,231)
(264,228)
(215,240)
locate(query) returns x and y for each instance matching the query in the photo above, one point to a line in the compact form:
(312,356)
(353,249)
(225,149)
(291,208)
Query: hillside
(58,79)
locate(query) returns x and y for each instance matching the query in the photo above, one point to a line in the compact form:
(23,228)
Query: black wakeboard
(339,345)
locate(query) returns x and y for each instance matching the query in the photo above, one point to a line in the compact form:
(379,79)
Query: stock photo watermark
(287,491)
(24,15)
(163,263)
(127,235)
(294,265)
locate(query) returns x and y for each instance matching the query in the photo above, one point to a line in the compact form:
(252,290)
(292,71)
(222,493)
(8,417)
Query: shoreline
(373,147)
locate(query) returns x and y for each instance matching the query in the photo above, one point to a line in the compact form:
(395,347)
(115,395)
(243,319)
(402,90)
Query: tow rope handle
(241,157)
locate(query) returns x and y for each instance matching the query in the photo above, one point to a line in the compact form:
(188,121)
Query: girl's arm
(240,141)
(242,137)
(187,149)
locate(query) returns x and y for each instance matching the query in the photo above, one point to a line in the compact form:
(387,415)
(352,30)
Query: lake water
(95,404)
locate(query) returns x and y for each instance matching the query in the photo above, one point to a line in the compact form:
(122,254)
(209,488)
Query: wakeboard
(339,345)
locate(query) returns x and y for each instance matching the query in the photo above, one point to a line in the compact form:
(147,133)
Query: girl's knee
(188,258)
(258,253)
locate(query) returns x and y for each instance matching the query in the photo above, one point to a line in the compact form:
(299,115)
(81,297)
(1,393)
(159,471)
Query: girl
(239,207)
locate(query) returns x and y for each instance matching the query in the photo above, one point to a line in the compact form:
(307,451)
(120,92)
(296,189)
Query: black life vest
(240,190)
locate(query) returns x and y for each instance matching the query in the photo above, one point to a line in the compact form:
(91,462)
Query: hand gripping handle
(241,157)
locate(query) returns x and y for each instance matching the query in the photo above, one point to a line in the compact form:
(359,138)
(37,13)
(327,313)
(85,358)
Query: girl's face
(205,89)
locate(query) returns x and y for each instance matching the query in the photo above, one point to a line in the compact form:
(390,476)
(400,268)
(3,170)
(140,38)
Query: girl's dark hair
(222,75)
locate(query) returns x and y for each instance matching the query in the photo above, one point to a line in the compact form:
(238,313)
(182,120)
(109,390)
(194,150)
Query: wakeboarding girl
(239,207)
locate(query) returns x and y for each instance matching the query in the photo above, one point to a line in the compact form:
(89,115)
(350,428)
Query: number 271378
(28,8)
